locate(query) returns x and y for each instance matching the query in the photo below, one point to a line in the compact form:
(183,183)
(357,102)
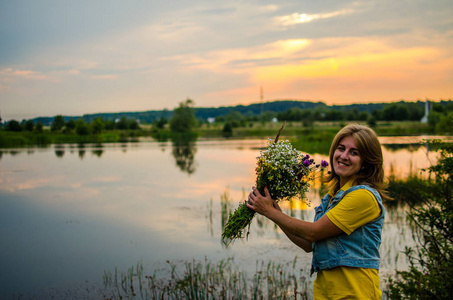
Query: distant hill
(204,113)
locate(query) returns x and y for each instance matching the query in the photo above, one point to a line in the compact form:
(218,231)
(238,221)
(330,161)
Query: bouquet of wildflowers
(285,171)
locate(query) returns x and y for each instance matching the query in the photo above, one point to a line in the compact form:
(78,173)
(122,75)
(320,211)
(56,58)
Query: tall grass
(206,280)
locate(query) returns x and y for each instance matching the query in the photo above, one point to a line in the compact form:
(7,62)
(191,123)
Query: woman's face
(346,159)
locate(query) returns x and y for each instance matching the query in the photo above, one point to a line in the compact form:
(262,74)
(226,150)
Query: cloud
(105,77)
(155,55)
(29,74)
(239,60)
(299,18)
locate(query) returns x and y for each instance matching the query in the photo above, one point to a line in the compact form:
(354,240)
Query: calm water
(69,213)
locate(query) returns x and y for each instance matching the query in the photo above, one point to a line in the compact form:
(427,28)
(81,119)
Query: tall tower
(427,109)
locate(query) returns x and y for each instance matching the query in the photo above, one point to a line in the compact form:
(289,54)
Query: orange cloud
(329,69)
(30,74)
(359,66)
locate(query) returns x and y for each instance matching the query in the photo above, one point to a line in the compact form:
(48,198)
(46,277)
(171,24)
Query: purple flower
(307,163)
(324,163)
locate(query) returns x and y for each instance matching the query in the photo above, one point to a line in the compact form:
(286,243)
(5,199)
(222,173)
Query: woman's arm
(300,232)
(302,243)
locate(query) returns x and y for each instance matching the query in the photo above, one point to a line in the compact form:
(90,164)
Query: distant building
(428,107)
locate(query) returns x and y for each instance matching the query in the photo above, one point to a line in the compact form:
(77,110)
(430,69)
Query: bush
(227,130)
(13,125)
(430,273)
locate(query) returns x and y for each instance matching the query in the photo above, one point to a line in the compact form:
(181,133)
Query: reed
(206,280)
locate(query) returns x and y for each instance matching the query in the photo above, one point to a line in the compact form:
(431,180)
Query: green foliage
(371,121)
(29,125)
(10,139)
(430,273)
(160,124)
(13,125)
(82,127)
(183,120)
(39,127)
(58,123)
(122,124)
(25,138)
(445,124)
(314,141)
(206,280)
(227,130)
(434,118)
(395,112)
(70,125)
(133,124)
(97,126)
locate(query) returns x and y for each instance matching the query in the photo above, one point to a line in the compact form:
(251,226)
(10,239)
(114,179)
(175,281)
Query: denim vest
(359,249)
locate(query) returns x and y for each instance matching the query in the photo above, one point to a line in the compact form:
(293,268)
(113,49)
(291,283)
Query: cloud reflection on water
(101,212)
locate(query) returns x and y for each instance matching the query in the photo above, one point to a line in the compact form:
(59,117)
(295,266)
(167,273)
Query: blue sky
(77,57)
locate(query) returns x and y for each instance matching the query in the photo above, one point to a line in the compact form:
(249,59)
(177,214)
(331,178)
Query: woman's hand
(261,204)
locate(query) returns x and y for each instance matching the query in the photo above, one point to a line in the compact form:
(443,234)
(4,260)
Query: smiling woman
(345,236)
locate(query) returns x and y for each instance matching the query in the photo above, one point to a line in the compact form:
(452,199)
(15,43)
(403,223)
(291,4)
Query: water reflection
(397,233)
(98,150)
(90,213)
(183,151)
(59,153)
(81,150)
(408,147)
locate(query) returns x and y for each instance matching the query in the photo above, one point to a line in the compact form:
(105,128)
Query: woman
(346,234)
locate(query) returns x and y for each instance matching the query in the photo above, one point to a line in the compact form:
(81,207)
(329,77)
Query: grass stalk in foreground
(205,280)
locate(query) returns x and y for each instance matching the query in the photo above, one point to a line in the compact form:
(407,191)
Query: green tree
(133,124)
(97,125)
(235,119)
(70,125)
(82,127)
(430,273)
(122,123)
(445,124)
(371,121)
(363,116)
(267,116)
(433,119)
(183,120)
(110,125)
(377,114)
(160,124)
(29,125)
(351,114)
(227,130)
(334,115)
(39,127)
(58,123)
(13,125)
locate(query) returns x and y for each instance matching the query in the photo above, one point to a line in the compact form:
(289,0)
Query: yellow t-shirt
(355,210)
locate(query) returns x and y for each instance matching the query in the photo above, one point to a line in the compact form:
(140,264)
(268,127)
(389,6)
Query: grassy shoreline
(317,136)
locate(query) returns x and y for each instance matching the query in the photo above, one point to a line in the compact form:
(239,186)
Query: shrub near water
(430,273)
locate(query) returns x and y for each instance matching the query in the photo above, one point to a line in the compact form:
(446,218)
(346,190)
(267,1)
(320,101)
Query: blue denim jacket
(359,249)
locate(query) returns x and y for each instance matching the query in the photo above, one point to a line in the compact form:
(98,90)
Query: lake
(69,212)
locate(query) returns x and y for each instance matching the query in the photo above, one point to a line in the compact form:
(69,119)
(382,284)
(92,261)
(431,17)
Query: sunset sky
(79,57)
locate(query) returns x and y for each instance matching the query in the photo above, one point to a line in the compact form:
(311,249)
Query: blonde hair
(370,150)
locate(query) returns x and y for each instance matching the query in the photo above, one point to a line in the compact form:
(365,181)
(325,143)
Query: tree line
(186,116)
(78,126)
